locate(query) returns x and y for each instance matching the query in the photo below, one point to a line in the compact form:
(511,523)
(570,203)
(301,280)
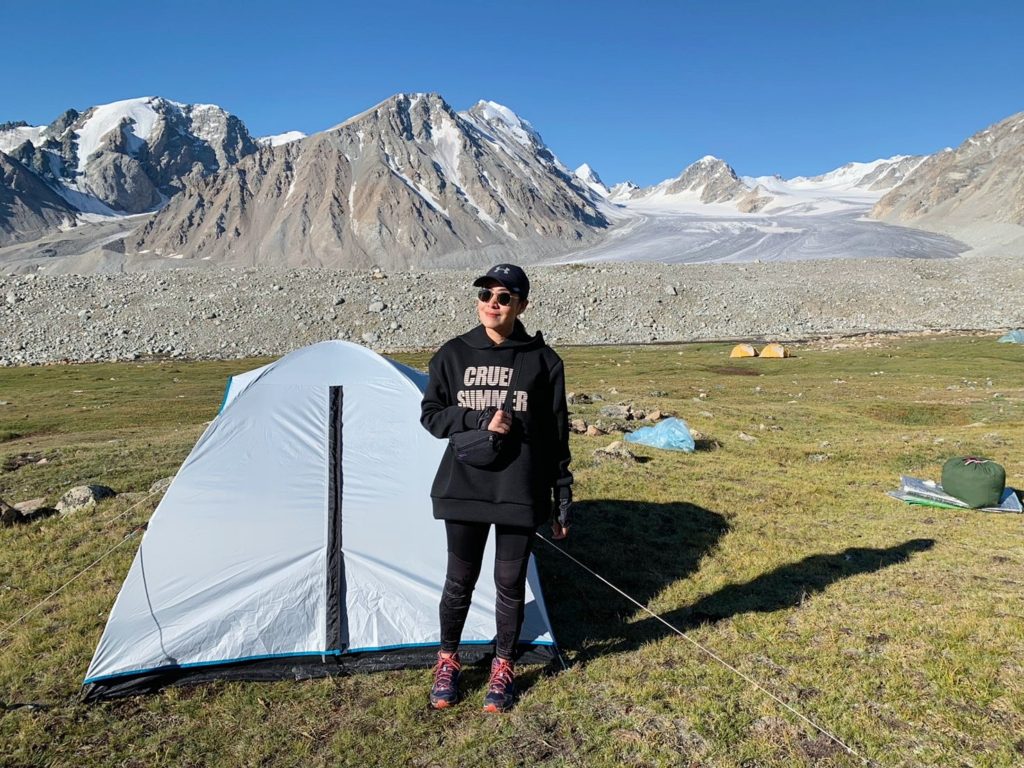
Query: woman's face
(496,317)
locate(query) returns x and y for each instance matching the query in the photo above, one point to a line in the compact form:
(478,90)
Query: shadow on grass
(640,547)
(784,587)
(644,548)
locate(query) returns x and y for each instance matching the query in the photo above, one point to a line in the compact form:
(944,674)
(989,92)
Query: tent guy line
(131,534)
(710,653)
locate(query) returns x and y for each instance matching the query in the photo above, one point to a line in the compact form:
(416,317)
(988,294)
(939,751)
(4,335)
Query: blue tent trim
(242,659)
(227,390)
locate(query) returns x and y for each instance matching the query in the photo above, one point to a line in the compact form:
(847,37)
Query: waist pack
(480,447)
(477,447)
(975,481)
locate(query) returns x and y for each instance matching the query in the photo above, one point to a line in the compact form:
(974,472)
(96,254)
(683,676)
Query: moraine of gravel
(232,313)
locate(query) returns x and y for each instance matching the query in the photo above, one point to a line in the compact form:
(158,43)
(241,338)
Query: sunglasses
(486,294)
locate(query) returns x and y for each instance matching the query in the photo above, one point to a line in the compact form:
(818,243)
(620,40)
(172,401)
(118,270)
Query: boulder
(616,412)
(579,426)
(616,450)
(83,497)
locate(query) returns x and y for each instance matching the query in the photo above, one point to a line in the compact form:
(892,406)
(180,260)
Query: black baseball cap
(508,275)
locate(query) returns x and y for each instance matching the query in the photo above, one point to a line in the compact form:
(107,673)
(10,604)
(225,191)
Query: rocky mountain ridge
(125,157)
(979,184)
(410,181)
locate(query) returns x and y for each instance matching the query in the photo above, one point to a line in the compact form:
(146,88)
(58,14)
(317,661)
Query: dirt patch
(729,370)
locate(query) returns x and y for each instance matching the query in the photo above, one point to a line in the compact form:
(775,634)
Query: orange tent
(774,350)
(743,350)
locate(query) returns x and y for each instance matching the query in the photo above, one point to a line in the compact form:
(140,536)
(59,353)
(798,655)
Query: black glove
(562,509)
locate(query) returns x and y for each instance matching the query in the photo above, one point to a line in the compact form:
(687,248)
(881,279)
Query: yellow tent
(743,350)
(774,350)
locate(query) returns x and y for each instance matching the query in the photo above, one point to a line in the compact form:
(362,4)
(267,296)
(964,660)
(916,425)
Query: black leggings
(466,543)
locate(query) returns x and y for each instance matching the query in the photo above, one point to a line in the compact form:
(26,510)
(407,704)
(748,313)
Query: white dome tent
(297,539)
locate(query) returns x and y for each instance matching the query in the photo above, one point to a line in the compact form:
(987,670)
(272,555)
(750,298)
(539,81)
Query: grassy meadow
(899,629)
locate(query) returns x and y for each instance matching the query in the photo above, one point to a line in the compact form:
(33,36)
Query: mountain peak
(502,118)
(586,173)
(590,179)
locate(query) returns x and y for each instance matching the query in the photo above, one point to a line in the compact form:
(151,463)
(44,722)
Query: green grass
(898,628)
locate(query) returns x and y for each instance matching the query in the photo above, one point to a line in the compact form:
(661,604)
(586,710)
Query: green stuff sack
(975,481)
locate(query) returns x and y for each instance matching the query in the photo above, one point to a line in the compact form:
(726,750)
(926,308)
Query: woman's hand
(561,513)
(500,423)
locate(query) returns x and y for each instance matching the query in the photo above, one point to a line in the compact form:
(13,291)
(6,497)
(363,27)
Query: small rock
(30,506)
(83,497)
(615,411)
(369,338)
(20,460)
(746,438)
(339,301)
(579,426)
(616,450)
(654,416)
(594,431)
(670,290)
(376,306)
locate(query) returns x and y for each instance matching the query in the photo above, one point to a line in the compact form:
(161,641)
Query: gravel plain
(233,313)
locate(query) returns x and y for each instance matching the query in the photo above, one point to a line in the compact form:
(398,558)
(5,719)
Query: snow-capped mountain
(622,191)
(708,181)
(711,186)
(280,138)
(409,181)
(591,180)
(128,156)
(413,182)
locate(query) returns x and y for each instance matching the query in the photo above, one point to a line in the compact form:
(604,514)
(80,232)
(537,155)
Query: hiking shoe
(445,691)
(501,691)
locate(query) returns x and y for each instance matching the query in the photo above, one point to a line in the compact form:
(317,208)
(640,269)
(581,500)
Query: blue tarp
(1014,337)
(672,434)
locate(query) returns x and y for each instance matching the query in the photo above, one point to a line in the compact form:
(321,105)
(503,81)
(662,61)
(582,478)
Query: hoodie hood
(520,339)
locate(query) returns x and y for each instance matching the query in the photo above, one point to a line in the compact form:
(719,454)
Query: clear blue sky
(638,89)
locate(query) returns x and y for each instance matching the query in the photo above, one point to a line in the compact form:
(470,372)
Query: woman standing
(469,389)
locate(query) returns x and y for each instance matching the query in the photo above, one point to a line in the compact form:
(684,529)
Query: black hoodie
(470,373)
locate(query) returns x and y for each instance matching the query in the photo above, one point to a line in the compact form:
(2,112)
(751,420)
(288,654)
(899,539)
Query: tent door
(337,627)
